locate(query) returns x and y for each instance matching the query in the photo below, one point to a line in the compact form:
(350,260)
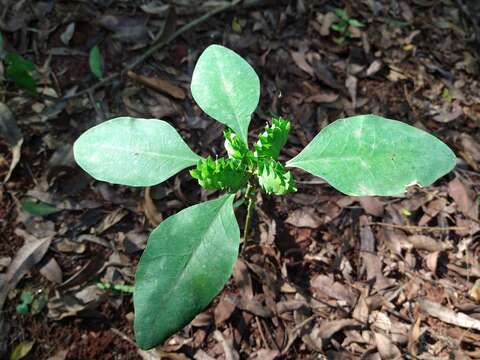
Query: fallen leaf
(326,286)
(51,270)
(225,308)
(300,60)
(22,350)
(374,67)
(423,242)
(159,85)
(230,352)
(475,291)
(59,355)
(371,205)
(26,257)
(387,349)
(67,35)
(304,217)
(464,198)
(449,316)
(322,98)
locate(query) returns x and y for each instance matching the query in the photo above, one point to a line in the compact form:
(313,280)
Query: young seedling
(343,24)
(190,255)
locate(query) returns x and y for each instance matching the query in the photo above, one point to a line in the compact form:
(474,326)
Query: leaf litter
(344,277)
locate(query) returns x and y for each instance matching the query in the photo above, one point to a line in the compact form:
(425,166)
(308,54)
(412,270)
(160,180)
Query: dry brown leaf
(371,205)
(449,316)
(52,271)
(300,60)
(230,352)
(322,98)
(243,279)
(304,217)
(26,257)
(225,308)
(423,242)
(159,85)
(475,291)
(326,286)
(464,198)
(387,349)
(374,67)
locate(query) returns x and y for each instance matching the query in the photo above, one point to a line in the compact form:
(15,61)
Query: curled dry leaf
(26,257)
(324,285)
(304,217)
(449,316)
(423,242)
(464,198)
(387,349)
(230,352)
(52,271)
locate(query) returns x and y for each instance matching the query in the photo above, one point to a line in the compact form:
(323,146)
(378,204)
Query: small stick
(420,228)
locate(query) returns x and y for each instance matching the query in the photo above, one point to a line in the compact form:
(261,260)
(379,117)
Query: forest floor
(325,275)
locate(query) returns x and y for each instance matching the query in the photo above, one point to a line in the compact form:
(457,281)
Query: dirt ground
(325,275)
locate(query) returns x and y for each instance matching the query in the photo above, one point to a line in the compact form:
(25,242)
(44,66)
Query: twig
(419,228)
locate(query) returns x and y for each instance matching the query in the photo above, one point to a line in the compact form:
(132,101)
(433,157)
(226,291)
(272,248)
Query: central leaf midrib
(222,78)
(144,152)
(192,254)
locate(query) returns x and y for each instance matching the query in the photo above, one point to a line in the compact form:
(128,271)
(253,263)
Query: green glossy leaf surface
(134,152)
(371,155)
(96,62)
(188,259)
(226,87)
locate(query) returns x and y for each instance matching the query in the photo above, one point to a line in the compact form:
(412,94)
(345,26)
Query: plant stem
(249,216)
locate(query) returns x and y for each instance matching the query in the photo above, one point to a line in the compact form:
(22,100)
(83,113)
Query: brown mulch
(324,275)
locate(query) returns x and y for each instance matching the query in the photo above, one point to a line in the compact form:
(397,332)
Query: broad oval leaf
(371,155)
(188,259)
(226,87)
(134,152)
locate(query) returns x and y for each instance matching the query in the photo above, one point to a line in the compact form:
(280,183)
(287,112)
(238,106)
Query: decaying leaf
(449,316)
(27,256)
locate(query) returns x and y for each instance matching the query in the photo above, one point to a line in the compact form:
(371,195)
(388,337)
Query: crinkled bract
(236,148)
(274,179)
(220,174)
(271,141)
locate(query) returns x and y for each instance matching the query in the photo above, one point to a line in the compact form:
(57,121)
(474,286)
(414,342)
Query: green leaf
(26,297)
(135,152)
(220,174)
(341,14)
(96,62)
(355,23)
(188,259)
(22,350)
(273,178)
(226,87)
(236,148)
(38,208)
(271,141)
(20,70)
(371,155)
